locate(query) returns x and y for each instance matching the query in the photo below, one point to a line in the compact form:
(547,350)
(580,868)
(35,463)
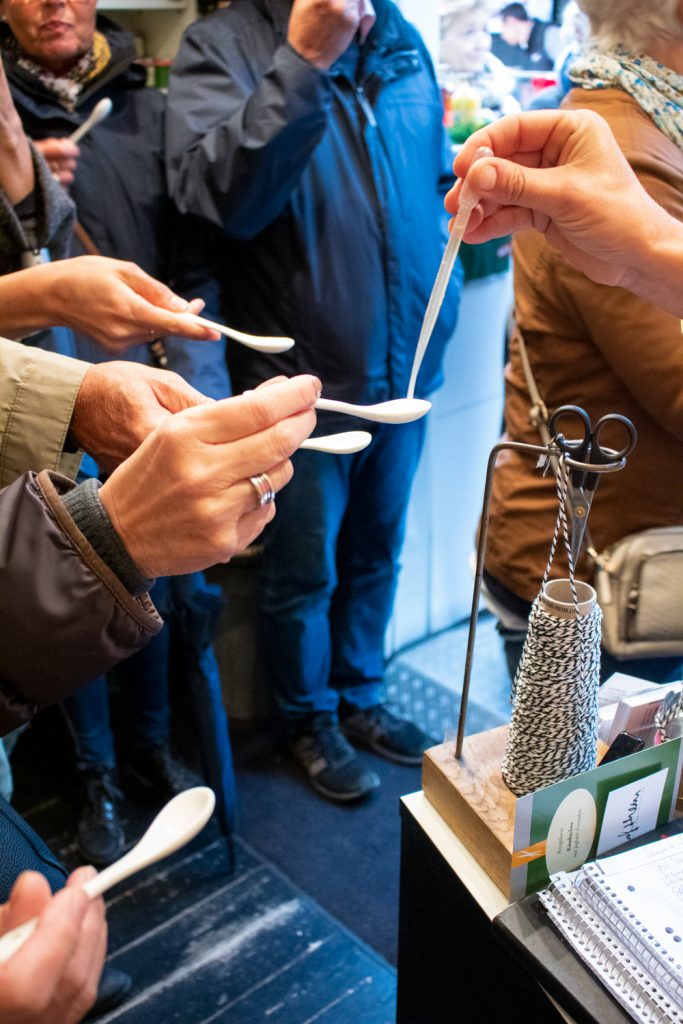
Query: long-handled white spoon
(261,344)
(398,410)
(175,824)
(443,276)
(98,113)
(344,443)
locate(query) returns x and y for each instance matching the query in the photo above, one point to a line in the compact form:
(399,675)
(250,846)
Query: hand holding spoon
(399,410)
(98,113)
(175,824)
(255,341)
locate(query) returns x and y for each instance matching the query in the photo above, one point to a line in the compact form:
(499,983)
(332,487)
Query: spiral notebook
(623,915)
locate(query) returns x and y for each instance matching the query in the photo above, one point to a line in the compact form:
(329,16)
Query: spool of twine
(553,732)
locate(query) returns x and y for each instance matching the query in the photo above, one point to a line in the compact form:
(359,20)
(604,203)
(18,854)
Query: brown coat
(605,350)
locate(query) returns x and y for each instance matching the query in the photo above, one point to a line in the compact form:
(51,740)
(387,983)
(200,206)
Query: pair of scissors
(587,449)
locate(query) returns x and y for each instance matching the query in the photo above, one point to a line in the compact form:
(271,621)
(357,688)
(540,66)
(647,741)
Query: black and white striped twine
(553,733)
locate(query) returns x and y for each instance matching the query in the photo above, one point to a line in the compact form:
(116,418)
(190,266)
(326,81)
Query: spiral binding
(618,968)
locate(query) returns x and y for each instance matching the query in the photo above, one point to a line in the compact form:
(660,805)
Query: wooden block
(473,800)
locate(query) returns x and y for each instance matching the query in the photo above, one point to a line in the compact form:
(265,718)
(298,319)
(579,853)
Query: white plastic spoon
(175,824)
(98,113)
(344,443)
(261,344)
(443,276)
(398,410)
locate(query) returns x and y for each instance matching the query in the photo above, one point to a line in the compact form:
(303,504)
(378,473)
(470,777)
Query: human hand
(61,156)
(16,164)
(54,975)
(183,500)
(119,404)
(114,302)
(563,174)
(320,30)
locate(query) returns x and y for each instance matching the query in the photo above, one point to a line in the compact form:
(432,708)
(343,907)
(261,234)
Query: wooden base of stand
(473,800)
(475,803)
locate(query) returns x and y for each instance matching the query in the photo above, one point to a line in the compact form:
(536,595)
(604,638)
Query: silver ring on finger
(265,492)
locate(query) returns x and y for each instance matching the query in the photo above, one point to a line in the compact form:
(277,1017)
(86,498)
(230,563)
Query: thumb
(174,394)
(153,291)
(510,184)
(30,895)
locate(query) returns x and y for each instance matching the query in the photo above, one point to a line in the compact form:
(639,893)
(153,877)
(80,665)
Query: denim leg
(144,679)
(87,714)
(299,577)
(368,553)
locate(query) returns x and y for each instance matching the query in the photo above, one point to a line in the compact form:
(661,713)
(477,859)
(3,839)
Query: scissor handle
(579,448)
(600,455)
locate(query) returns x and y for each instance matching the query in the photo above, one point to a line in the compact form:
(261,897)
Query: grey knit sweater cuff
(90,516)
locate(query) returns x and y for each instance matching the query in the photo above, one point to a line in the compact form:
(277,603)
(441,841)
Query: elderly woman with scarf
(61,59)
(597,346)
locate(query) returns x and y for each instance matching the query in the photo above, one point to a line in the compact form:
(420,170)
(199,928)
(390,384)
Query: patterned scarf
(655,87)
(67,88)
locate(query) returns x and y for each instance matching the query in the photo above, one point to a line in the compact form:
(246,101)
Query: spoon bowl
(175,824)
(399,410)
(98,113)
(255,341)
(344,443)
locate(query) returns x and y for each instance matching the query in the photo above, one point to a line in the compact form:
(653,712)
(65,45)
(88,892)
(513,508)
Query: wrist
(657,272)
(91,517)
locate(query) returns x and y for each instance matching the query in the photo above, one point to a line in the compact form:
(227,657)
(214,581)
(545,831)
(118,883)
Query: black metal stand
(554,457)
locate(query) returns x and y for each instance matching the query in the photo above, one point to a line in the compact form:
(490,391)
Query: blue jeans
(330,572)
(144,678)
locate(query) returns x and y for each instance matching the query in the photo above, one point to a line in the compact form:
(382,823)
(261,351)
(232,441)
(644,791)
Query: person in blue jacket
(316,146)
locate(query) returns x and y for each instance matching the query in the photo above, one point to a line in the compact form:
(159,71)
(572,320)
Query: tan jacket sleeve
(37,394)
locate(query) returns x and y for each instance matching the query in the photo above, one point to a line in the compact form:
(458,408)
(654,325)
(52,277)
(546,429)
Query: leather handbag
(639,579)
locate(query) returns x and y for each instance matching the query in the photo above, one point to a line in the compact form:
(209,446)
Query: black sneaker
(155,769)
(113,988)
(387,734)
(331,763)
(99,833)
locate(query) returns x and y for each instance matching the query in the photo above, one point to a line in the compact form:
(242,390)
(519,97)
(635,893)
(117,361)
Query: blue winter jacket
(329,189)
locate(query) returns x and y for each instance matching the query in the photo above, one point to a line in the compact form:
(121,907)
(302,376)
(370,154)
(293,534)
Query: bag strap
(538,416)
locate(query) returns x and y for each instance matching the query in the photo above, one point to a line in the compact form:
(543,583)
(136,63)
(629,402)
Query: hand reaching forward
(54,976)
(562,173)
(119,404)
(184,501)
(114,302)
(61,156)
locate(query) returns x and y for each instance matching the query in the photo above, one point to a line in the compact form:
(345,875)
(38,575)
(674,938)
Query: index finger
(252,412)
(533,139)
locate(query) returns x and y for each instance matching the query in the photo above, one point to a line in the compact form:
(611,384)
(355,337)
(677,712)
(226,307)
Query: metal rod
(551,452)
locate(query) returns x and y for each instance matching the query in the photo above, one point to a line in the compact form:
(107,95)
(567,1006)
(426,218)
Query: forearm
(55,585)
(27,301)
(240,171)
(38,392)
(658,277)
(16,164)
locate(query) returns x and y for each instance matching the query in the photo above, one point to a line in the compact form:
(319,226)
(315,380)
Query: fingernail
(318,387)
(179,304)
(89,872)
(487,178)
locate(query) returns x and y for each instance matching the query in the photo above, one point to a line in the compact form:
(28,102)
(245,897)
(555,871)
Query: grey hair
(635,23)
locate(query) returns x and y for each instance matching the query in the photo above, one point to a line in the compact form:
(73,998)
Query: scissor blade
(580,506)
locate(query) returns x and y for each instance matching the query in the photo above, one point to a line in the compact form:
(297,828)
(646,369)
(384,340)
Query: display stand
(463,782)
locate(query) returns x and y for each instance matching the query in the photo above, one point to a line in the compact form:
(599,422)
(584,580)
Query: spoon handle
(14,940)
(255,341)
(443,276)
(332,405)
